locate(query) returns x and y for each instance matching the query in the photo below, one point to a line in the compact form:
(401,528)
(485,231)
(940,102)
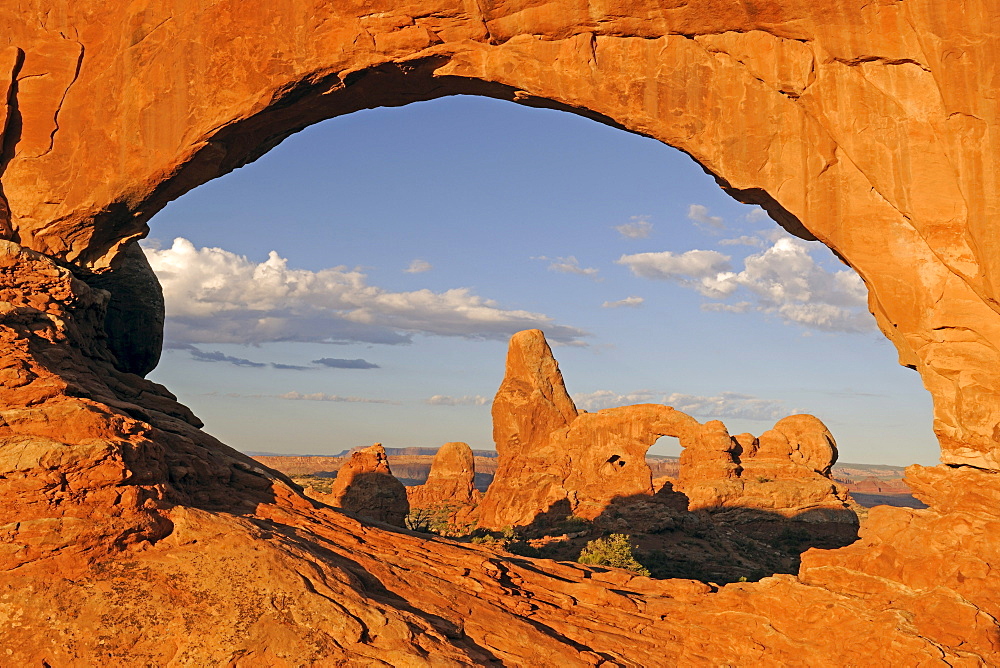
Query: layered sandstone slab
(865,127)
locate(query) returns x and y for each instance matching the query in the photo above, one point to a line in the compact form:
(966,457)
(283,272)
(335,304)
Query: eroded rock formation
(451,481)
(132,537)
(555,461)
(786,471)
(366,487)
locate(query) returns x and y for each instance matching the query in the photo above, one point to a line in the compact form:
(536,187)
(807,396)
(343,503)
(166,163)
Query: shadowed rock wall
(868,125)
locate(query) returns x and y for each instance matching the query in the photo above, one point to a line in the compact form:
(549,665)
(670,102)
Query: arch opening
(549,267)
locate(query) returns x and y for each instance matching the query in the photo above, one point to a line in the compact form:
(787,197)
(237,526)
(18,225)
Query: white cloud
(738,307)
(444,400)
(569,265)
(729,405)
(745,240)
(784,279)
(322,396)
(595,401)
(639,228)
(699,214)
(418,267)
(215,296)
(707,271)
(628,301)
(756,215)
(722,405)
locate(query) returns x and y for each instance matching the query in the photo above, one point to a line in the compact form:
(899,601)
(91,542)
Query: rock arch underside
(131,537)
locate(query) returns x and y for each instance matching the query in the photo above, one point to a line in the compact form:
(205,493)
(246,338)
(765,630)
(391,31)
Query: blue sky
(359,283)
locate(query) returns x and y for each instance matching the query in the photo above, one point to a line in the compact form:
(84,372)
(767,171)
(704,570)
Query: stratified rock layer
(865,127)
(131,537)
(366,487)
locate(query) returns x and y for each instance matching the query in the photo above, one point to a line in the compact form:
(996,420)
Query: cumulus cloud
(722,405)
(628,301)
(444,400)
(756,215)
(215,296)
(337,363)
(744,240)
(706,271)
(784,279)
(569,265)
(638,228)
(699,214)
(323,396)
(418,267)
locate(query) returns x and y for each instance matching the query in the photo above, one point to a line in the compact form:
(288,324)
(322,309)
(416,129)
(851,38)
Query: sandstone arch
(873,139)
(867,126)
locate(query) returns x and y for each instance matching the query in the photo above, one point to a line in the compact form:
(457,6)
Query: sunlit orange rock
(450,483)
(366,487)
(786,471)
(131,537)
(553,461)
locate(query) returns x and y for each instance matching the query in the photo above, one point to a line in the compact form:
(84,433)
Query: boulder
(366,487)
(450,481)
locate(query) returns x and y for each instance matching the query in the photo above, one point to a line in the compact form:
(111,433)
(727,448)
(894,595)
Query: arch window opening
(359,283)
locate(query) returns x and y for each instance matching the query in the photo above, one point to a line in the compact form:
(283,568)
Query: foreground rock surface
(865,126)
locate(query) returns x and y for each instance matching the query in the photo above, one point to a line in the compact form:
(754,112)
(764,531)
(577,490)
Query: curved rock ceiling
(871,126)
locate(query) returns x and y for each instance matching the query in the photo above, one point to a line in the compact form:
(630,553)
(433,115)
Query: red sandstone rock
(553,461)
(847,114)
(366,487)
(450,483)
(786,471)
(586,461)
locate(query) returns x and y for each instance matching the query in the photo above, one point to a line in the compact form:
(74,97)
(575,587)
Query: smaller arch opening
(616,460)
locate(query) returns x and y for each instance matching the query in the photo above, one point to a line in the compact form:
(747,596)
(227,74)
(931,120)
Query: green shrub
(614,551)
(572,524)
(508,540)
(437,520)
